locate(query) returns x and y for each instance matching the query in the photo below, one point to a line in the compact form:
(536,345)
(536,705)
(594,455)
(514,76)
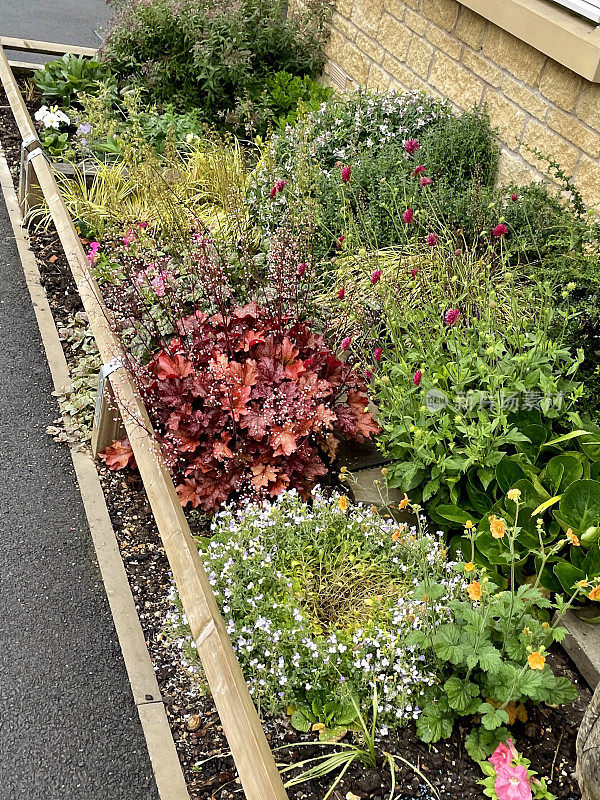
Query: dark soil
(547,738)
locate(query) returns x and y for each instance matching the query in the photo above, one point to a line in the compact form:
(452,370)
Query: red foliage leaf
(118,455)
(165,366)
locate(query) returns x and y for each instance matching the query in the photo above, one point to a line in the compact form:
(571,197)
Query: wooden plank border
(253,758)
(45,48)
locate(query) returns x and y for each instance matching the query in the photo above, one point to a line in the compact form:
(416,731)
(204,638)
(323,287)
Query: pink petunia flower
(346,342)
(417,377)
(376,277)
(301,269)
(425,181)
(377,353)
(417,170)
(503,754)
(500,230)
(512,783)
(407,216)
(129,238)
(432,239)
(411,146)
(342,293)
(346,174)
(451,316)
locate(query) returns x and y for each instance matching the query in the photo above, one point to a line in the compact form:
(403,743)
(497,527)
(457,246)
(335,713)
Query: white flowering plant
(306,157)
(318,603)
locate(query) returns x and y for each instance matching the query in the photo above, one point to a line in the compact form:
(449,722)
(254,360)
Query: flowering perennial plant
(247,404)
(317,602)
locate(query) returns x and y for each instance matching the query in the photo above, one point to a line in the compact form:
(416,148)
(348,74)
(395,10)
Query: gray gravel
(69,728)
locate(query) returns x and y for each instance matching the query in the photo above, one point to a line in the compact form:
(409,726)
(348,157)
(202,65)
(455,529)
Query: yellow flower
(536,660)
(474,591)
(514,494)
(343,502)
(595,593)
(545,625)
(404,502)
(468,524)
(469,566)
(497,527)
(572,537)
(343,469)
(582,584)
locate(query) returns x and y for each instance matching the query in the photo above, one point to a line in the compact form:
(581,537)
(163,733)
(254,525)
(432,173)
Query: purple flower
(432,239)
(411,146)
(407,216)
(346,342)
(346,174)
(376,277)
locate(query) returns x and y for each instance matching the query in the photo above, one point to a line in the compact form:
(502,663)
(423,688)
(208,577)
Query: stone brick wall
(445,49)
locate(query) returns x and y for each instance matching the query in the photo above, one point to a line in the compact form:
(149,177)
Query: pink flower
(368,374)
(411,146)
(425,181)
(346,342)
(129,238)
(408,216)
(301,269)
(280,185)
(417,170)
(346,174)
(432,239)
(417,377)
(376,277)
(514,197)
(451,316)
(377,353)
(500,230)
(342,293)
(142,225)
(503,754)
(273,192)
(160,282)
(92,253)
(512,783)
(413,272)
(338,244)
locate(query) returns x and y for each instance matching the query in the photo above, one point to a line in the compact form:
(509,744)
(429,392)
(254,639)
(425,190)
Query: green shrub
(462,150)
(195,54)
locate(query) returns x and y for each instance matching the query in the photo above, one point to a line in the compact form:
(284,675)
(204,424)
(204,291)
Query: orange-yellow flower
(497,527)
(468,524)
(469,566)
(536,660)
(404,502)
(343,502)
(595,593)
(474,591)
(398,532)
(572,537)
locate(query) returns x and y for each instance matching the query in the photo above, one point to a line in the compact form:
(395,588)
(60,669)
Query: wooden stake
(249,747)
(46,48)
(108,425)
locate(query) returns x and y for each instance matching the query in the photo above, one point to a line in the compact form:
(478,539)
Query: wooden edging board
(253,758)
(167,770)
(46,48)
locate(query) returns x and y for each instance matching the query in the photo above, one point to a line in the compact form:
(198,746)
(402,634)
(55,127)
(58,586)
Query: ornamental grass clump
(317,603)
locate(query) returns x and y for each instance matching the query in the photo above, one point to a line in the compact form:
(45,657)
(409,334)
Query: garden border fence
(253,758)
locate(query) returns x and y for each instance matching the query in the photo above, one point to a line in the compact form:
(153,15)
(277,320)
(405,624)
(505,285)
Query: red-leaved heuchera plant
(248,404)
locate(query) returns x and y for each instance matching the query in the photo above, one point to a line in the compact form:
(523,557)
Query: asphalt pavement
(69,729)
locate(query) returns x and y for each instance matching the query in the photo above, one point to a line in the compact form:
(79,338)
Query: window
(590,9)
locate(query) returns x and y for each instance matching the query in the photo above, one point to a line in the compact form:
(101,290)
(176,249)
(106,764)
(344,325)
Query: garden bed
(547,738)
(260,332)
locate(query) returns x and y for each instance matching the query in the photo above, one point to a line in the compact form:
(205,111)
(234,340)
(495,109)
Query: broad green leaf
(579,505)
(460,693)
(434,723)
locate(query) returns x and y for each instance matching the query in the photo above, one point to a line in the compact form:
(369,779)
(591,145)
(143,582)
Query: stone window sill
(572,41)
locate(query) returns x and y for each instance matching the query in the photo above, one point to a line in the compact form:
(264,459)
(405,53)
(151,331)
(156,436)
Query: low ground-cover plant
(196,54)
(315,598)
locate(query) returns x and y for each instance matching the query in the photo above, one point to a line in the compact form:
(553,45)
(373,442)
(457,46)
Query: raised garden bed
(546,735)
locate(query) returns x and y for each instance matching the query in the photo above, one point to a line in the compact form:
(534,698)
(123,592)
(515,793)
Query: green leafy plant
(491,654)
(365,751)
(195,54)
(67,79)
